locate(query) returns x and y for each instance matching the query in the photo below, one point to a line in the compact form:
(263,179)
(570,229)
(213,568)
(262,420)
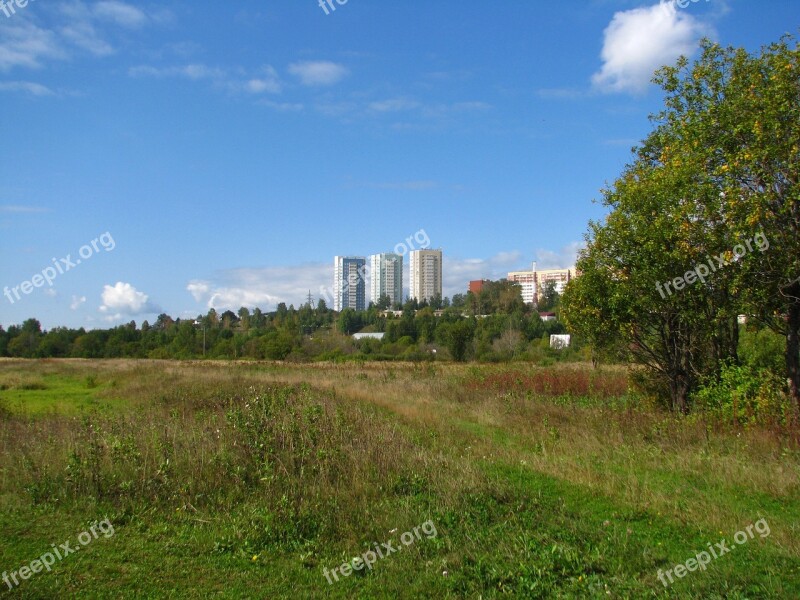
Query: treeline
(703,226)
(494,325)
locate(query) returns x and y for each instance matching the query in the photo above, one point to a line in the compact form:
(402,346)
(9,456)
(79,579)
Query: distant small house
(392,313)
(372,336)
(547,316)
(559,342)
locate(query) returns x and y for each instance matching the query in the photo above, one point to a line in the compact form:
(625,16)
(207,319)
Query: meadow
(252,479)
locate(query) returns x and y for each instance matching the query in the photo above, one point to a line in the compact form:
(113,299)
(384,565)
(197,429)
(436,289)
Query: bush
(746,396)
(763,350)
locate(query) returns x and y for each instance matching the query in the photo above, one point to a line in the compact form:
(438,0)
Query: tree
(244,317)
(229,319)
(642,276)
(258,320)
(26,341)
(458,301)
(164,322)
(277,346)
(384,302)
(548,299)
(456,337)
(425,325)
(349,321)
(594,321)
(740,115)
(281,310)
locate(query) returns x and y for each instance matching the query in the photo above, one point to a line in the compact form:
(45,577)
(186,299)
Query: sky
(178,156)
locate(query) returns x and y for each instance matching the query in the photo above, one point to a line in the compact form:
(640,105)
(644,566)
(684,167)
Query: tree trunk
(683,397)
(679,390)
(793,355)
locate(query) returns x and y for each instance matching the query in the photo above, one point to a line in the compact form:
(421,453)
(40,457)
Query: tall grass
(315,460)
(312,462)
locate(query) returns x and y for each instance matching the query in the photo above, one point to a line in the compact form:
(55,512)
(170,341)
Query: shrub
(745,396)
(763,350)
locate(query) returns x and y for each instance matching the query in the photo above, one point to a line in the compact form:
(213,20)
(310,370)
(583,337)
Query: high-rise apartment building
(560,277)
(349,283)
(425,274)
(527,281)
(533,282)
(386,277)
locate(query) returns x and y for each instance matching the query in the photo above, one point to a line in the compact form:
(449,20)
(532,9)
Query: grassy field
(254,480)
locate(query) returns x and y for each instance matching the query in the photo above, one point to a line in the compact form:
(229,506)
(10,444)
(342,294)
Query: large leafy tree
(626,294)
(667,272)
(738,115)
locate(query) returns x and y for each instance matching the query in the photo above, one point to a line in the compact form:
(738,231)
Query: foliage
(745,396)
(509,332)
(762,349)
(719,168)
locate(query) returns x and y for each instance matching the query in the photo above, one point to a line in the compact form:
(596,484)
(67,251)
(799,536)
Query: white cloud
(639,41)
(282,106)
(10,208)
(84,35)
(472,105)
(458,272)
(76,25)
(264,80)
(26,45)
(418,113)
(264,287)
(120,13)
(394,105)
(194,72)
(199,289)
(408,186)
(257,86)
(124,299)
(35,89)
(201,72)
(77,302)
(564,258)
(318,73)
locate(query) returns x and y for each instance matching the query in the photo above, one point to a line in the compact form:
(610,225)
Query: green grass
(247,480)
(37,394)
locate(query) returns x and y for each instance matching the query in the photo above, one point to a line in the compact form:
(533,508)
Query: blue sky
(231,149)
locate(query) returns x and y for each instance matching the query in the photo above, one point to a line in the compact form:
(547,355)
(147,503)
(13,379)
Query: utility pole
(204,336)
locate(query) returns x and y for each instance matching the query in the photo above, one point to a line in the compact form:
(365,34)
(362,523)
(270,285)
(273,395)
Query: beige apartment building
(425,274)
(533,282)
